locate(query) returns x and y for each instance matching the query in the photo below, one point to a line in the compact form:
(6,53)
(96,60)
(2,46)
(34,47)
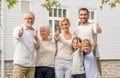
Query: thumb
(22,29)
(58,29)
(36,31)
(97,24)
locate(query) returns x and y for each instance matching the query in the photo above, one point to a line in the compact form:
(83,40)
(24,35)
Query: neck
(67,32)
(29,27)
(45,39)
(84,24)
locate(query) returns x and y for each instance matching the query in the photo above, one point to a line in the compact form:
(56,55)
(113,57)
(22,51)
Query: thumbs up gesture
(98,29)
(35,35)
(20,32)
(57,34)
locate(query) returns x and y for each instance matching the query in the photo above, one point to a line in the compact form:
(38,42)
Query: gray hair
(29,13)
(46,27)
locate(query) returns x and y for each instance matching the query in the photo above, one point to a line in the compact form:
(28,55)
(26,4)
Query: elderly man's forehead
(29,14)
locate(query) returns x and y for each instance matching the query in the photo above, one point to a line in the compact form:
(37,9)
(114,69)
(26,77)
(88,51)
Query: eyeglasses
(29,18)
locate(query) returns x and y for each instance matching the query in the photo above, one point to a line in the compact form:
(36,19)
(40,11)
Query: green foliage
(49,4)
(112,3)
(11,3)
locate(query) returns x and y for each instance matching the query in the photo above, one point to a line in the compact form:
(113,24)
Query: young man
(88,30)
(25,48)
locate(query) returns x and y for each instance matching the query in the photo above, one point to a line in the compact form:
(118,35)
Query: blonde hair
(86,41)
(62,20)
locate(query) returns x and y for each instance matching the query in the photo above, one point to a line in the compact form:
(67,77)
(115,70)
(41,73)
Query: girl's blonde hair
(86,41)
(78,39)
(62,20)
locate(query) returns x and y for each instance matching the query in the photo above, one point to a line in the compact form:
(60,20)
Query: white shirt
(24,54)
(86,32)
(64,48)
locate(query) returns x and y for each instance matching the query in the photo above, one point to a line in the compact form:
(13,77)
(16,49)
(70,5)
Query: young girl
(90,63)
(77,66)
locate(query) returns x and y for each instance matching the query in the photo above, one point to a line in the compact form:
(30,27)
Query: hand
(79,44)
(35,35)
(57,33)
(98,29)
(94,44)
(20,32)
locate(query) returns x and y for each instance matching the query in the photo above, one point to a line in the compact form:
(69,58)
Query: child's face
(75,43)
(86,48)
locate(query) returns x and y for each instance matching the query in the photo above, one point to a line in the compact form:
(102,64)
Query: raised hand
(20,32)
(57,32)
(35,35)
(79,44)
(98,29)
(94,44)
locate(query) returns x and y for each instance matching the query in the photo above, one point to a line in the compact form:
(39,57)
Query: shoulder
(18,27)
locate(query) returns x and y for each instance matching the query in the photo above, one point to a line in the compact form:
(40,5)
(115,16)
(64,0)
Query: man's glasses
(29,18)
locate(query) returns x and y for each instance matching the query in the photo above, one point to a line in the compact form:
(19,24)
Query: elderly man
(25,48)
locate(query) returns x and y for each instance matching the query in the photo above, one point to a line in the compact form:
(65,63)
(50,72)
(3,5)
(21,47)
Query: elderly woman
(45,55)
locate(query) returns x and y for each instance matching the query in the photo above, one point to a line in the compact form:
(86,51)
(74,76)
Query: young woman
(63,61)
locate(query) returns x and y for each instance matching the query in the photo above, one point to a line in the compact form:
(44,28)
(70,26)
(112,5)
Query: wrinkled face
(44,32)
(86,48)
(65,26)
(83,16)
(75,44)
(29,19)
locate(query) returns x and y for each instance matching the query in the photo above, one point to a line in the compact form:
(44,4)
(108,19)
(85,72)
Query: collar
(25,28)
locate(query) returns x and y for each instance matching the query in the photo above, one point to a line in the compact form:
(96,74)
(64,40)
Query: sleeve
(94,50)
(94,29)
(75,32)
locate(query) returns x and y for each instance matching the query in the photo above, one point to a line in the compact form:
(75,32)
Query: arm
(17,32)
(94,45)
(56,36)
(37,43)
(36,39)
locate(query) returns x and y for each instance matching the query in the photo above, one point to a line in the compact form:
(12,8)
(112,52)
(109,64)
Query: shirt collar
(25,28)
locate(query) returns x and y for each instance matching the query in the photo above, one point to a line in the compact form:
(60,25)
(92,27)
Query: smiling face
(64,24)
(44,32)
(74,44)
(86,46)
(29,19)
(83,15)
